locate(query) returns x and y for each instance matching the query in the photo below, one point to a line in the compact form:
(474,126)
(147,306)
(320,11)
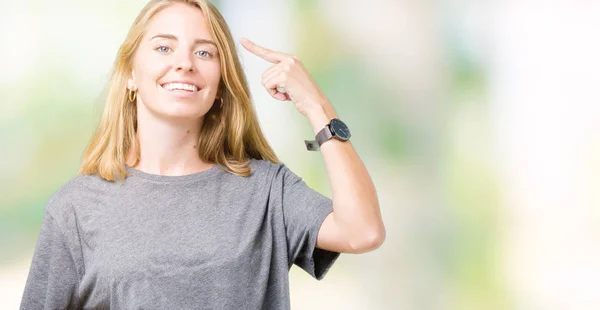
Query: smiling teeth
(180,86)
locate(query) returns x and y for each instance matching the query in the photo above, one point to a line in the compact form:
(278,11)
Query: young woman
(180,202)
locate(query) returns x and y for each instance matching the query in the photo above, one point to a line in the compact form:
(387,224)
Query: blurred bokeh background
(478,121)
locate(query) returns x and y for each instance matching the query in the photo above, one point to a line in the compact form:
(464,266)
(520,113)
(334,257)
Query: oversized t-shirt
(208,240)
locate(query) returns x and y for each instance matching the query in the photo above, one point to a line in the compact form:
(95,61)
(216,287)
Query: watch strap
(324,135)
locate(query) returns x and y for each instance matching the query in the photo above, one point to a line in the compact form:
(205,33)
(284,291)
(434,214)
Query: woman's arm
(356,221)
(355,225)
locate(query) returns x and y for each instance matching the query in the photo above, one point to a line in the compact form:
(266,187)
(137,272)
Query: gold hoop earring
(131,98)
(221,102)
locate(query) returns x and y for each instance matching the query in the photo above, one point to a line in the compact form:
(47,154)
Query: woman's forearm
(355,203)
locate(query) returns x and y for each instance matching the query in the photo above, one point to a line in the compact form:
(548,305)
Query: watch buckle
(311,145)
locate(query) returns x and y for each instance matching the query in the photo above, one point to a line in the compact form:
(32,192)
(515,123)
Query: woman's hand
(288,73)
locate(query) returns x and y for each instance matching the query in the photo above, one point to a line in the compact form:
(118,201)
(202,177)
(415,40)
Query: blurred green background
(478,121)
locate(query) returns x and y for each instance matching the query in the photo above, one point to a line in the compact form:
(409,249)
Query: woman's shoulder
(273,171)
(266,167)
(61,200)
(261,164)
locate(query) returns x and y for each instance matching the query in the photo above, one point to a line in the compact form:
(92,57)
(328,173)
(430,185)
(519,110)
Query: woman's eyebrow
(172,37)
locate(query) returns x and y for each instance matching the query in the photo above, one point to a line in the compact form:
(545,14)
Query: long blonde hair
(230,133)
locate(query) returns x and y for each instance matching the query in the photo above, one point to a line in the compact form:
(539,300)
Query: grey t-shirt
(209,240)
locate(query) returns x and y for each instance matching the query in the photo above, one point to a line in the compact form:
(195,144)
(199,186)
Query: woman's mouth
(180,87)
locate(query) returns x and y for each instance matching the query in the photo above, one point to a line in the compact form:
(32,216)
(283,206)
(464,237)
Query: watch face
(339,129)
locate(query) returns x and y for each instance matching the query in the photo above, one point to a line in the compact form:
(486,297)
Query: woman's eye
(163,49)
(205,54)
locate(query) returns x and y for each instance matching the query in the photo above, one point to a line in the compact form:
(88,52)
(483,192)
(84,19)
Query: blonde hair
(230,133)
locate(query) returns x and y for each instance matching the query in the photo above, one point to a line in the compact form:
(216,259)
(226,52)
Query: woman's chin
(182,113)
(176,110)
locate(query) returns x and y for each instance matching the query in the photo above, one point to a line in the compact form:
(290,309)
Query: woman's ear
(131,83)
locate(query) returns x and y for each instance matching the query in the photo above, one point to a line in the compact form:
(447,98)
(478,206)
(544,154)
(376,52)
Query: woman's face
(176,68)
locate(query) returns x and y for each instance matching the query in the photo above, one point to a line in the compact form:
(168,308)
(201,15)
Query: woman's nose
(184,63)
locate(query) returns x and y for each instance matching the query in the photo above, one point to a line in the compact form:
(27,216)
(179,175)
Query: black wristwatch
(335,129)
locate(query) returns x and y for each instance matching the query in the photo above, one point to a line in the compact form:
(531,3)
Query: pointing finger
(263,52)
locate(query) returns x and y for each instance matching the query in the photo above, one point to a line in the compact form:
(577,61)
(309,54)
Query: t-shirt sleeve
(304,211)
(52,279)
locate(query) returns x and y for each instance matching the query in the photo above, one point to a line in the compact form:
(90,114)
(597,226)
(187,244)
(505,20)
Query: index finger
(263,52)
